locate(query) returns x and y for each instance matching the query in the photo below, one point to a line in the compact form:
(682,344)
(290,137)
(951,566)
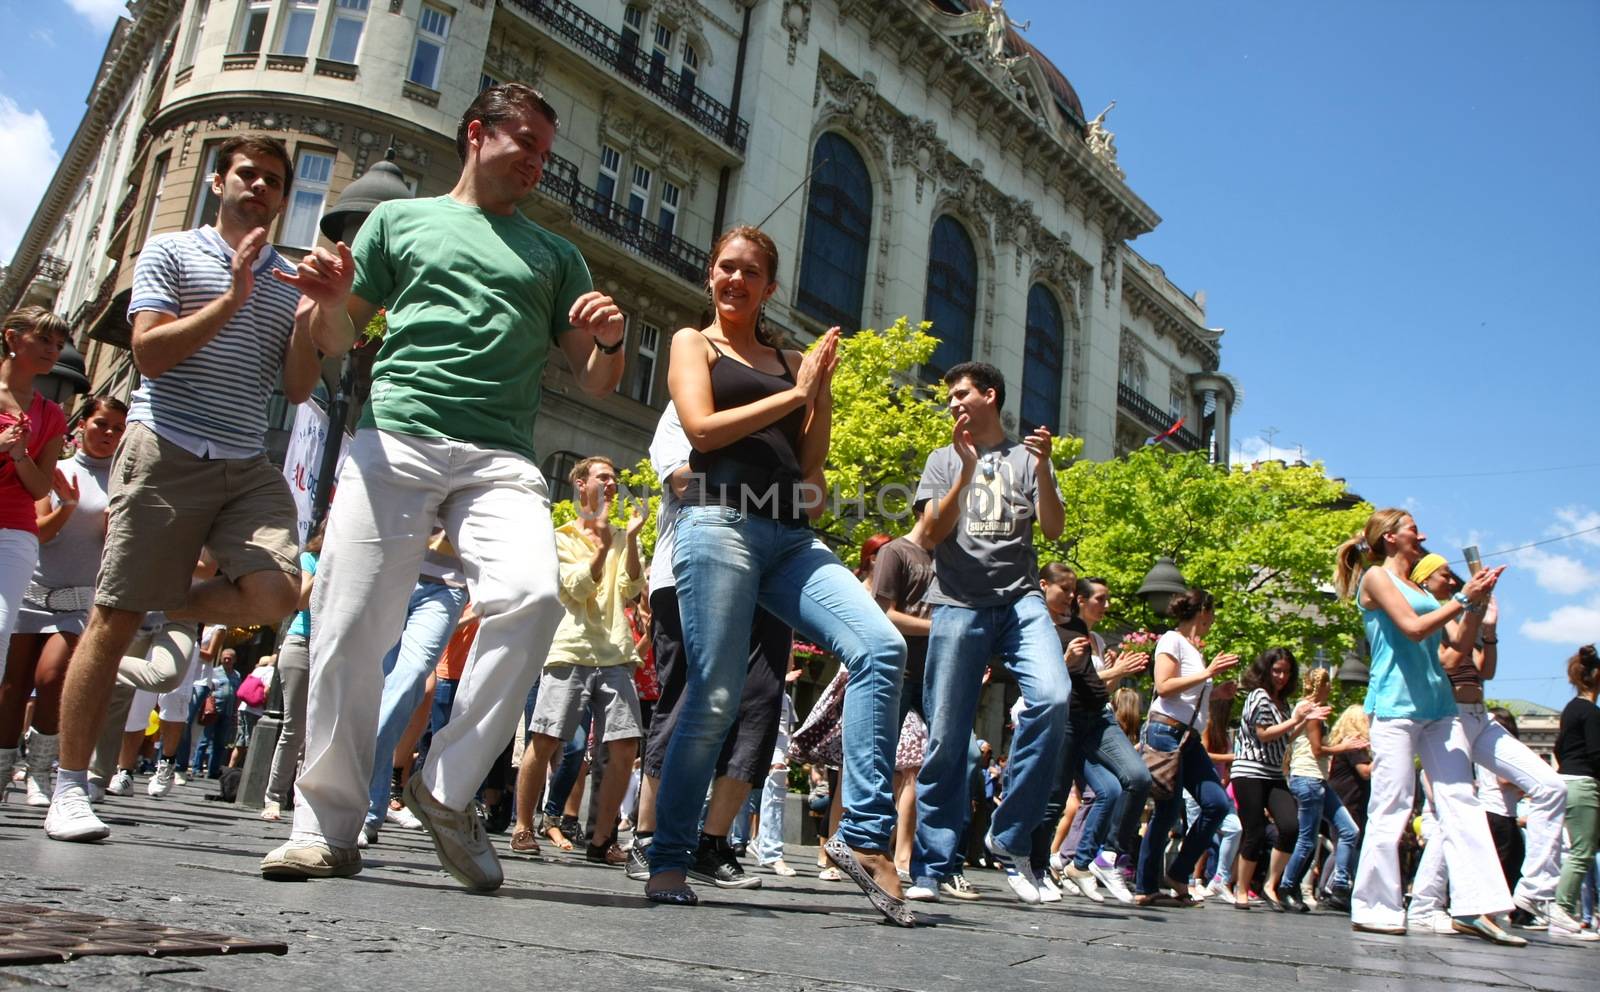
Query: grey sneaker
(311,859)
(638,866)
(1533,908)
(121,783)
(162,781)
(459,838)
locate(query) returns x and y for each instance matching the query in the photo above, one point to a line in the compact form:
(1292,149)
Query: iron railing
(601,42)
(597,212)
(1155,418)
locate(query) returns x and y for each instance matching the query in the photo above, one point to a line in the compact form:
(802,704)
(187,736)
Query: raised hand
(817,365)
(1131,663)
(1038,445)
(66,490)
(966,447)
(324,277)
(243,265)
(1481,586)
(599,315)
(1221,663)
(1077,650)
(639,513)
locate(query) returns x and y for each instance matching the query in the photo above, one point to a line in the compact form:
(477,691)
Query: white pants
(495,508)
(1463,838)
(1544,803)
(19,553)
(769,838)
(173,704)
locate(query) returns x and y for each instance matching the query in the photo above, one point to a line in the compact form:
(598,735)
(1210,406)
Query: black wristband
(609,349)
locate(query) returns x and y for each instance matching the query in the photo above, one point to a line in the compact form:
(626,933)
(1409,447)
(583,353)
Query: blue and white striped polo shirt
(213,403)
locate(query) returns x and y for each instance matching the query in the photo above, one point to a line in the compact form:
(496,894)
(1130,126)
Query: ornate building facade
(914,157)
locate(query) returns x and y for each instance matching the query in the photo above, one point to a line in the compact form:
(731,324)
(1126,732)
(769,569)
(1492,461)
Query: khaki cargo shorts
(166,504)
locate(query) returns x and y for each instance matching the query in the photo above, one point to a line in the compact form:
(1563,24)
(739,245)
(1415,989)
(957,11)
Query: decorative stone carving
(1102,143)
(995,36)
(684,13)
(512,60)
(797,21)
(395,5)
(373,145)
(635,133)
(1108,264)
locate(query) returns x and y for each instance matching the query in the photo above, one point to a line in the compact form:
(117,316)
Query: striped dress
(1254,758)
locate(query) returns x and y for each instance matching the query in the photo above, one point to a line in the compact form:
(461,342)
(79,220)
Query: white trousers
(495,509)
(1469,856)
(19,553)
(1544,803)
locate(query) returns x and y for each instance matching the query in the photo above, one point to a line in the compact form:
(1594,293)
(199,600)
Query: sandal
(830,874)
(552,830)
(676,895)
(894,910)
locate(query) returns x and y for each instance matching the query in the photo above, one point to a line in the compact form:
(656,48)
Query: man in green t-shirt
(476,295)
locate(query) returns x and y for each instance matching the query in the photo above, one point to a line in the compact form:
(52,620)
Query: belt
(1169,721)
(1478,708)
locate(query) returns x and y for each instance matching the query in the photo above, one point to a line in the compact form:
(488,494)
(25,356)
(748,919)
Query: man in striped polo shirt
(477,297)
(213,327)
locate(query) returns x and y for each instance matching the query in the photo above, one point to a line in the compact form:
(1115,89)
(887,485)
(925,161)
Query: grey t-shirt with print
(988,559)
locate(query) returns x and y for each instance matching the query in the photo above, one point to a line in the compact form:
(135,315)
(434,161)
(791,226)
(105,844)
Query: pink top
(46,426)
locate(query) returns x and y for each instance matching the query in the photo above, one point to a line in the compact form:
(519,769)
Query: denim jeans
(962,641)
(1103,755)
(1198,777)
(726,563)
(768,845)
(431,617)
(565,776)
(1224,848)
(1319,802)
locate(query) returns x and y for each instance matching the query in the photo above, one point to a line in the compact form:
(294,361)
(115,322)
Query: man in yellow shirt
(592,660)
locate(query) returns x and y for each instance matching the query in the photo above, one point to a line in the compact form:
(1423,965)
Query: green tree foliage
(1261,541)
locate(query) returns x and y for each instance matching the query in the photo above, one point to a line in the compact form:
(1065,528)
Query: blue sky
(1391,209)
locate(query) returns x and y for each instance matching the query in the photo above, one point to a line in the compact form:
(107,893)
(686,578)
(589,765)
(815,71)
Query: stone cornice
(1020,113)
(127,53)
(915,145)
(1142,300)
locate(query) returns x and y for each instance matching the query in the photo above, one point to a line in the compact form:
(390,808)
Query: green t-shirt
(475,301)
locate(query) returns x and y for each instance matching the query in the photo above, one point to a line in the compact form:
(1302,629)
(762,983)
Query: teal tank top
(1407,680)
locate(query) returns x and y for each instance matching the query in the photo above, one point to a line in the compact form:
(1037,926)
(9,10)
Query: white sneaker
(1437,923)
(1057,865)
(162,781)
(42,753)
(1222,890)
(121,783)
(71,818)
(179,778)
(402,818)
(1047,889)
(367,837)
(97,792)
(1082,881)
(1535,909)
(1564,926)
(1197,892)
(924,889)
(1021,882)
(1112,880)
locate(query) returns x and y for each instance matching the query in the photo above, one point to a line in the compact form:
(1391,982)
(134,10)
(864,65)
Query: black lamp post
(66,380)
(1161,583)
(381,183)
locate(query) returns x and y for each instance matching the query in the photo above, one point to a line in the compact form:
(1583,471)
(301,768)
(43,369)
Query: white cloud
(25,170)
(1256,449)
(1559,574)
(100,13)
(1567,625)
(1576,518)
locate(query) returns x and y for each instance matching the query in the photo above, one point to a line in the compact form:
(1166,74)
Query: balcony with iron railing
(597,212)
(52,268)
(1156,419)
(601,43)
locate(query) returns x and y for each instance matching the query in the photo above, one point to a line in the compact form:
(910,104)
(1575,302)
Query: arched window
(833,261)
(1042,362)
(952,300)
(1132,373)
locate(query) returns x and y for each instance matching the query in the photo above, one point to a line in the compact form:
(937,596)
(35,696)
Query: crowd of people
(440,615)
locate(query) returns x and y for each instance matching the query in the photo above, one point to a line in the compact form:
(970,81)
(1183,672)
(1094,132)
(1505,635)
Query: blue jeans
(1319,802)
(1103,755)
(430,620)
(1224,848)
(565,777)
(1196,776)
(727,563)
(962,641)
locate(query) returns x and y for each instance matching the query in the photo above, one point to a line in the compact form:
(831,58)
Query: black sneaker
(638,866)
(716,863)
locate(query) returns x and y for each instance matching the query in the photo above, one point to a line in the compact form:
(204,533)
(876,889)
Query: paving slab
(561,923)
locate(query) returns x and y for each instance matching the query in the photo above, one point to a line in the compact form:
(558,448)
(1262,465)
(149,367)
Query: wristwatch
(609,349)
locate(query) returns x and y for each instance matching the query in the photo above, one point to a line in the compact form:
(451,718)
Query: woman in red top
(31,431)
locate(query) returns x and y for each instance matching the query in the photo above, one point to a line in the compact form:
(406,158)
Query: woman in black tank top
(758,419)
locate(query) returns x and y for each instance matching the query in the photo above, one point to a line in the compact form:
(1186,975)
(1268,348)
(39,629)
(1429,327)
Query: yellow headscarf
(1427,566)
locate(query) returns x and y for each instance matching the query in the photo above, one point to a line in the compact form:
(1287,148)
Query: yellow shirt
(595,631)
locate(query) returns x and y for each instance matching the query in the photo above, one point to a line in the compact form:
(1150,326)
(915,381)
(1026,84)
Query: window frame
(157,185)
(832,282)
(949,271)
(1035,362)
(425,35)
(304,184)
(203,196)
(293,9)
(612,171)
(644,376)
(340,14)
(667,212)
(191,41)
(247,12)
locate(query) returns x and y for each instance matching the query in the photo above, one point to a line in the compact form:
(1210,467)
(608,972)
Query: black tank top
(759,473)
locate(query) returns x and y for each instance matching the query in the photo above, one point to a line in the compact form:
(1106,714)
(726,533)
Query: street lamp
(1161,583)
(66,380)
(381,183)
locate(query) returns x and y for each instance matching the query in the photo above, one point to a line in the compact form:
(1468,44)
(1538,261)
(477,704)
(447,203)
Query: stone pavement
(561,924)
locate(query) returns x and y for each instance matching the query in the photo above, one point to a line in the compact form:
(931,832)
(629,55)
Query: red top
(47,425)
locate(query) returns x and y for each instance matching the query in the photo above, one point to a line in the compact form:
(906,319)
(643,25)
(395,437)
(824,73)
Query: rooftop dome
(1066,97)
